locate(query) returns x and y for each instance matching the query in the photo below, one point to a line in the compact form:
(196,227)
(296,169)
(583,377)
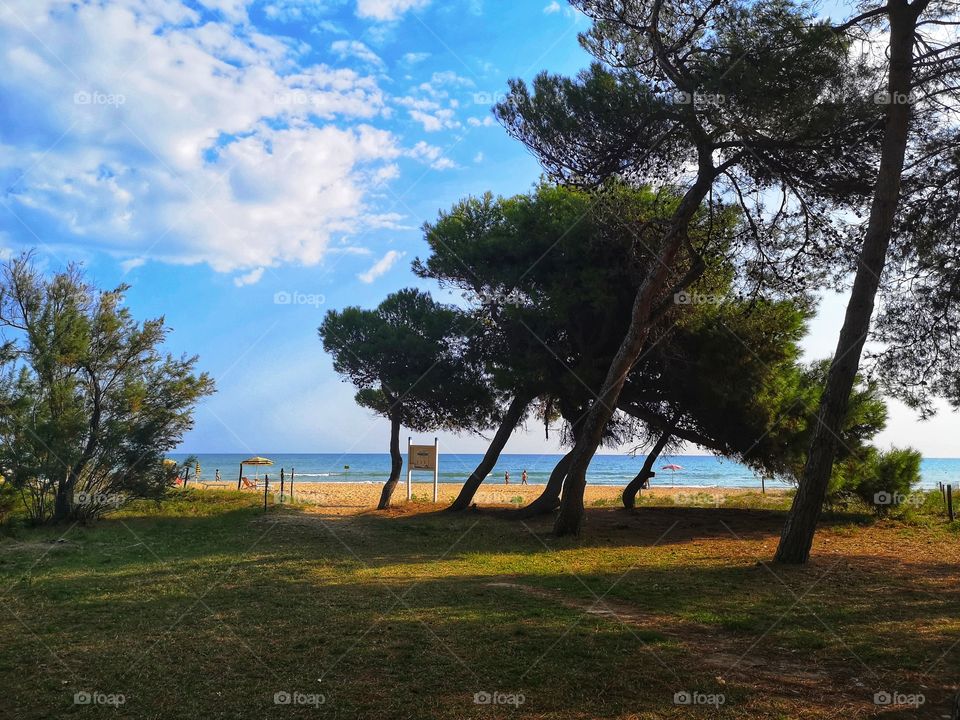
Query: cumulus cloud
(250,278)
(183,140)
(132,264)
(386,10)
(412,58)
(354,48)
(431,155)
(380,267)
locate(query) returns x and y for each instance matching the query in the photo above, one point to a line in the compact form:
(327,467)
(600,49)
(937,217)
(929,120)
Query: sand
(366,495)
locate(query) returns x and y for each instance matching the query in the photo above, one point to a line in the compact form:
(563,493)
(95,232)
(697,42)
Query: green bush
(881,480)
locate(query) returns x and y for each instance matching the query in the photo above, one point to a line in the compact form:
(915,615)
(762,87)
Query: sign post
(423,457)
(409,465)
(436,468)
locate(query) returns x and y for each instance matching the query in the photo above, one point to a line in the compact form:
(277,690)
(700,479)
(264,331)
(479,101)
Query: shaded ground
(209,608)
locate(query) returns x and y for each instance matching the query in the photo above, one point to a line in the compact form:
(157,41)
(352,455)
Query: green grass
(204,606)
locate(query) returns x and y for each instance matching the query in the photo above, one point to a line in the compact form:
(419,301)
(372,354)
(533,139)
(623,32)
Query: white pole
(436,469)
(409,468)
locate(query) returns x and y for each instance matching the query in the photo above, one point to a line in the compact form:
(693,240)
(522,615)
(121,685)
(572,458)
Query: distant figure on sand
(217,475)
(523,477)
(506,478)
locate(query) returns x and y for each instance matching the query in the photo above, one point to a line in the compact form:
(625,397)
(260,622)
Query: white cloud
(354,48)
(487,121)
(553,7)
(431,155)
(380,267)
(478,158)
(385,10)
(430,114)
(132,264)
(439,82)
(412,58)
(250,278)
(195,134)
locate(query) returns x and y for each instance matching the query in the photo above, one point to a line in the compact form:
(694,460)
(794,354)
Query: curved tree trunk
(510,421)
(396,464)
(797,537)
(550,497)
(646,472)
(570,518)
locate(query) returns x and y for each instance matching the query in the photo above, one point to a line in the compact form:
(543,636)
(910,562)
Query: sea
(607,469)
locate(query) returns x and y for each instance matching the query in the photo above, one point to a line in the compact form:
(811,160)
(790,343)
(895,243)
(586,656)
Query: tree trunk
(797,537)
(646,472)
(550,497)
(570,517)
(63,500)
(396,463)
(510,421)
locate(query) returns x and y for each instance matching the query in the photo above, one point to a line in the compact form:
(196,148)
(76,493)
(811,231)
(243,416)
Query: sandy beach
(366,495)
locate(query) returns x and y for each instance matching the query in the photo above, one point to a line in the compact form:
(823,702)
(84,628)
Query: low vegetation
(205,606)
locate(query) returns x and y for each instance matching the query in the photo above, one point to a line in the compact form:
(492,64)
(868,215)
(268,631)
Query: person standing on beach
(506,477)
(217,475)
(523,477)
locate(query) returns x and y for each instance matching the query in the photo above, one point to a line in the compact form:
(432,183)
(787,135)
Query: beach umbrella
(673,467)
(256,461)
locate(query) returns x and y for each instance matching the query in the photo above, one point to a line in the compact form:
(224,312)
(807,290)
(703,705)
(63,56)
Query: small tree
(411,362)
(880,479)
(88,403)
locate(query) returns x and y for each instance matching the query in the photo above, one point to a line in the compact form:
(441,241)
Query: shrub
(882,480)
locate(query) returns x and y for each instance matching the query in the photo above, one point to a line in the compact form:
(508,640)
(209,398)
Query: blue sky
(245,166)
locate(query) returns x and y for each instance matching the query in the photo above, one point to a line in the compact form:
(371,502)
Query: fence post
(950,503)
(266,488)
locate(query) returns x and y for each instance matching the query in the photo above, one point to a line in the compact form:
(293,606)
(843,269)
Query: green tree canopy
(412,361)
(89,403)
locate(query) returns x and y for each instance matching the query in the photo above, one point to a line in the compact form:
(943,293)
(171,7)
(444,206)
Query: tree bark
(63,506)
(396,463)
(550,497)
(570,518)
(646,472)
(797,537)
(510,421)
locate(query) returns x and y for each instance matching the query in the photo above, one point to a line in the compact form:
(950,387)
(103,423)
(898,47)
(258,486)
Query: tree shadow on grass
(410,616)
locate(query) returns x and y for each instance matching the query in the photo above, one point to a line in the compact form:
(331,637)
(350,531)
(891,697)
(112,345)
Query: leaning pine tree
(708,97)
(917,171)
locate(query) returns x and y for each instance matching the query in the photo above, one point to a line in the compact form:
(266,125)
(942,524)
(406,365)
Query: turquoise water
(698,470)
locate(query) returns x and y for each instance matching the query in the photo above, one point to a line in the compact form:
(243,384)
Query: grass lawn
(206,607)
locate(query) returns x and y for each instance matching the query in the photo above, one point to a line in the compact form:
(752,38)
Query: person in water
(523,477)
(506,477)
